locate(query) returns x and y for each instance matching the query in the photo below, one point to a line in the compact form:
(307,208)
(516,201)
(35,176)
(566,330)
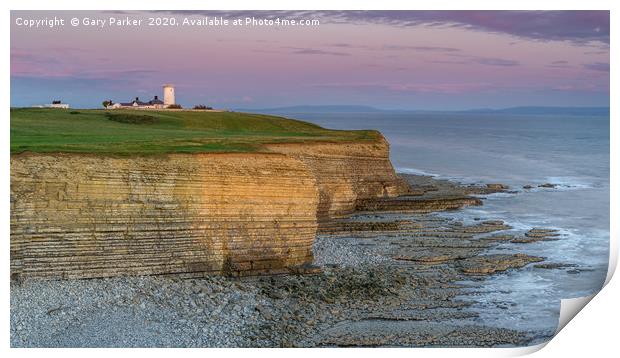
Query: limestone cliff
(92,216)
(347,173)
(81,216)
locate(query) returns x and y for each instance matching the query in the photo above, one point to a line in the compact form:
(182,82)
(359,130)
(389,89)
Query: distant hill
(571,111)
(525,110)
(313,109)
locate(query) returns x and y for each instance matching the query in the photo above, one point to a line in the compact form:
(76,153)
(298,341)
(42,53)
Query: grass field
(156,132)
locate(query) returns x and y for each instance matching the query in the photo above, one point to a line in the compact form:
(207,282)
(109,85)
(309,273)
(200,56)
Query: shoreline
(387,278)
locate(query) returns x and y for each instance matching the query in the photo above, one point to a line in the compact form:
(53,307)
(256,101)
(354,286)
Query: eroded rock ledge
(85,216)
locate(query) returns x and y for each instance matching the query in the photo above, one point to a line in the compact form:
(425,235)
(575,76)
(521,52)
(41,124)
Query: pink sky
(403,60)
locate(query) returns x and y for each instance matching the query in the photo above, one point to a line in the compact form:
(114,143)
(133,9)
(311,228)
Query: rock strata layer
(85,216)
(347,174)
(78,216)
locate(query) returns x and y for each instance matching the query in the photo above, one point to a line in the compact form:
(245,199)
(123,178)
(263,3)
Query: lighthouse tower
(168,94)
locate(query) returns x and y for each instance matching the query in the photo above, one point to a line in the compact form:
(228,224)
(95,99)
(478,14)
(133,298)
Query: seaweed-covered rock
(488,264)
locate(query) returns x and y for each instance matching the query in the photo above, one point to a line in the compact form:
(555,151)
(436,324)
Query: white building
(155,103)
(168,94)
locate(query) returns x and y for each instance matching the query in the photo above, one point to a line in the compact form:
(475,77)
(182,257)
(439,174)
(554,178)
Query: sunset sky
(431,60)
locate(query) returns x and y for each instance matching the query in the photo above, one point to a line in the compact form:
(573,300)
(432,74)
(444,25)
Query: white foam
(568,182)
(415,172)
(498,195)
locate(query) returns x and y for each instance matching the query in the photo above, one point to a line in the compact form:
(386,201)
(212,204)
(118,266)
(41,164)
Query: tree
(106,103)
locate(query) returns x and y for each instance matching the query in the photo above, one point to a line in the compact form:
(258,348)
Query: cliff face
(347,173)
(81,216)
(77,216)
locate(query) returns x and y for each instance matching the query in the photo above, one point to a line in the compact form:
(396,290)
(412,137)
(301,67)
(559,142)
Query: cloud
(391,47)
(49,73)
(602,52)
(559,64)
(105,84)
(485,61)
(420,48)
(581,87)
(578,26)
(45,63)
(345,45)
(301,51)
(67,82)
(451,62)
(597,66)
(312,51)
(489,61)
(439,88)
(462,88)
(575,26)
(26,63)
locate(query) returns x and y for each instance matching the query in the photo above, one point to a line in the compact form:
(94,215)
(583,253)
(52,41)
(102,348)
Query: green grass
(156,132)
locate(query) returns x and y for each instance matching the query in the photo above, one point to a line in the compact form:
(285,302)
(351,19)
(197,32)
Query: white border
(595,326)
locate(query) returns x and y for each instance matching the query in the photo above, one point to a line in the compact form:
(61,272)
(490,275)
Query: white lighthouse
(168,94)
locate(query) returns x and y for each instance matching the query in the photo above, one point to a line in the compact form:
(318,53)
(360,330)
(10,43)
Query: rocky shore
(391,274)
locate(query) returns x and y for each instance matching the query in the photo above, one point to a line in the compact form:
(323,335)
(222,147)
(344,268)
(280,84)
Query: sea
(517,150)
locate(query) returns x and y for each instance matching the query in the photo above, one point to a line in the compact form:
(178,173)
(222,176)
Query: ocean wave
(499,195)
(415,172)
(568,182)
